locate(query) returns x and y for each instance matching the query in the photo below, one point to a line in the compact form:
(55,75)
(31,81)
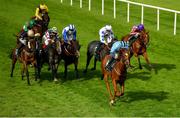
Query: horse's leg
(65,70)
(131,54)
(14,60)
(27,72)
(87,62)
(76,69)
(52,71)
(39,64)
(36,70)
(102,76)
(117,93)
(95,60)
(55,71)
(139,62)
(22,71)
(146,58)
(115,87)
(122,88)
(108,88)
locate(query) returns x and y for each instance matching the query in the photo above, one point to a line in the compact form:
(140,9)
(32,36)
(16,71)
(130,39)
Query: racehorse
(91,50)
(117,75)
(51,55)
(139,47)
(27,56)
(70,55)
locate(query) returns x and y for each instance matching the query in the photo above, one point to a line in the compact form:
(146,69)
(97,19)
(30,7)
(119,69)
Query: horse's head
(124,55)
(144,37)
(75,47)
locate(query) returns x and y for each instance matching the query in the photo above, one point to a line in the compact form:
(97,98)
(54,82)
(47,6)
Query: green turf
(147,93)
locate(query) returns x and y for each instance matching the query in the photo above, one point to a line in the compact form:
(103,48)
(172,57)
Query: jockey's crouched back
(69,34)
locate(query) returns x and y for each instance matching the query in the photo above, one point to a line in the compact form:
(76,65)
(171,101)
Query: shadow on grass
(132,96)
(139,75)
(71,75)
(157,67)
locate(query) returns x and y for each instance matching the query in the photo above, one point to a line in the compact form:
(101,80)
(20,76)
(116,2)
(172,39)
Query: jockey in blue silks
(115,49)
(69,33)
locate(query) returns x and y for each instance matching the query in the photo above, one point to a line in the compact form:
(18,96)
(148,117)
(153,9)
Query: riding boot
(110,64)
(18,49)
(133,38)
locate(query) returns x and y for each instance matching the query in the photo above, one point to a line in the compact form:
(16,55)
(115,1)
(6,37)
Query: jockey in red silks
(50,34)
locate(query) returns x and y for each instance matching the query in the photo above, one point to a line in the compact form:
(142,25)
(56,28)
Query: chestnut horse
(70,54)
(117,75)
(27,56)
(139,47)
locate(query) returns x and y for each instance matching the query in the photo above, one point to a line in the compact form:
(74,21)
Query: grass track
(147,93)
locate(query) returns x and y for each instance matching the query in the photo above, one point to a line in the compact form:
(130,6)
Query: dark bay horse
(91,50)
(70,55)
(27,56)
(139,47)
(51,55)
(117,75)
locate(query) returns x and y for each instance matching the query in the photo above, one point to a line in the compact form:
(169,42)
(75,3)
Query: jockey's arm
(112,35)
(37,14)
(65,36)
(74,35)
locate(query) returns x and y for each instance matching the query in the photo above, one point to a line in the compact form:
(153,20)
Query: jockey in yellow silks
(41,9)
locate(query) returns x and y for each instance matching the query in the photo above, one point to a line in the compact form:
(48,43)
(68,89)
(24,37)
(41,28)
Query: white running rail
(142,10)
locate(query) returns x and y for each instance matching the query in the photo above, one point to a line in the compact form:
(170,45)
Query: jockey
(136,29)
(116,47)
(49,34)
(41,9)
(106,35)
(22,43)
(69,33)
(24,33)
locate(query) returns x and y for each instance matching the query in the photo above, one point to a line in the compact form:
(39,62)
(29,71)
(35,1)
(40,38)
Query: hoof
(112,102)
(55,80)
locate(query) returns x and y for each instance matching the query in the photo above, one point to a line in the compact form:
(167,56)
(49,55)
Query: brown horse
(117,75)
(26,57)
(70,55)
(139,47)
